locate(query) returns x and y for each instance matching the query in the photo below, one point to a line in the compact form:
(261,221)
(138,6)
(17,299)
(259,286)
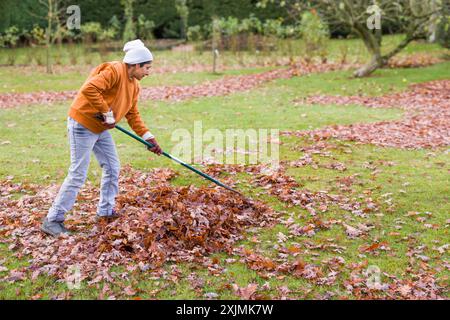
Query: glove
(109,117)
(156,148)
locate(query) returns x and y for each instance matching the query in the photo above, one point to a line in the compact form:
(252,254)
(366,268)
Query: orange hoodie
(108,87)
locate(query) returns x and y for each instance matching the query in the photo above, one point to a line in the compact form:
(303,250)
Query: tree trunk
(48,36)
(379,61)
(48,56)
(372,41)
(374,64)
(49,64)
(373,45)
(215,60)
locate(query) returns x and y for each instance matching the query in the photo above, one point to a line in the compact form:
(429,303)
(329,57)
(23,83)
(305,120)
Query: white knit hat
(136,52)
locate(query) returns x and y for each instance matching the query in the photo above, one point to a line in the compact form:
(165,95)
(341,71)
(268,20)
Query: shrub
(10,37)
(183,12)
(91,31)
(194,33)
(73,55)
(273,27)
(251,25)
(129,32)
(107,34)
(315,35)
(37,35)
(443,32)
(145,28)
(115,24)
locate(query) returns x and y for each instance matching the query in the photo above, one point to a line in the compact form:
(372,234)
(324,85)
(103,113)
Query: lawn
(30,76)
(405,184)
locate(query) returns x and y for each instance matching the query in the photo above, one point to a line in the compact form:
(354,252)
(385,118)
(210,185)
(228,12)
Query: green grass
(418,180)
(69,75)
(270,106)
(91,55)
(381,82)
(30,80)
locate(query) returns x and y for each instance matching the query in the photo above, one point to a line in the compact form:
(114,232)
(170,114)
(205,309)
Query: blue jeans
(82,142)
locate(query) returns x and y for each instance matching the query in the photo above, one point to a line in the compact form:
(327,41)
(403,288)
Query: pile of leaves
(165,66)
(424,125)
(230,84)
(416,60)
(10,100)
(158,223)
(199,66)
(227,85)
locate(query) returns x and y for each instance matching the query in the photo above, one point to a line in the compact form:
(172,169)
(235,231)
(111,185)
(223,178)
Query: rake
(184,164)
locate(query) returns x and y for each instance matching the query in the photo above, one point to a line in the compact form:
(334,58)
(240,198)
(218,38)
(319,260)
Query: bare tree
(183,12)
(412,15)
(54,28)
(129,33)
(216,38)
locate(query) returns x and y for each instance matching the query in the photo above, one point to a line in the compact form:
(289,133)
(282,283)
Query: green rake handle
(150,145)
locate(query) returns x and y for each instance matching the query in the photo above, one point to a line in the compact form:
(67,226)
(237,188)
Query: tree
(315,35)
(54,28)
(216,39)
(129,33)
(413,14)
(145,28)
(361,17)
(294,8)
(443,27)
(183,12)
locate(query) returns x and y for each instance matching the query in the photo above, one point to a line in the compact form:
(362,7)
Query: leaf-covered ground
(425,123)
(162,224)
(416,60)
(418,280)
(159,223)
(227,85)
(336,220)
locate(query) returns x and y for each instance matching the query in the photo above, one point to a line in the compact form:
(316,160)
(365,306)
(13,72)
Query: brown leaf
(129,291)
(351,231)
(245,293)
